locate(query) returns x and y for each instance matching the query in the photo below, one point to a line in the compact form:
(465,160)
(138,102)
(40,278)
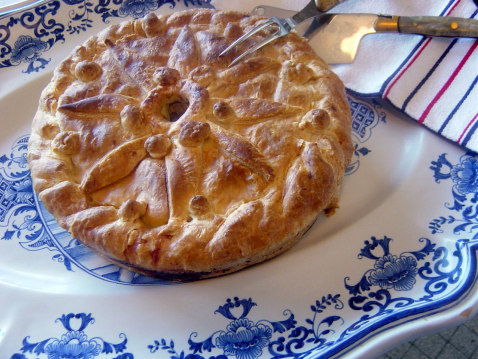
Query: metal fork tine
(248,34)
(313,8)
(255,47)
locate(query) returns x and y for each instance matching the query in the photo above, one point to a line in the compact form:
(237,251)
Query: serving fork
(285,25)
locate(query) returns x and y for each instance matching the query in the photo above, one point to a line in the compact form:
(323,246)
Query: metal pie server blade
(335,38)
(338,40)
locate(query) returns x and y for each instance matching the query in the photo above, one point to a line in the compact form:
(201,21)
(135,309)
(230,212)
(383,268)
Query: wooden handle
(326,5)
(438,26)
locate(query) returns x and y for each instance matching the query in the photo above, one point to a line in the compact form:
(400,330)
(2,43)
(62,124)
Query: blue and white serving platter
(397,261)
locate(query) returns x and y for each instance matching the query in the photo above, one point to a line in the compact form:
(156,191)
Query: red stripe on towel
(452,8)
(425,44)
(447,83)
(387,91)
(467,127)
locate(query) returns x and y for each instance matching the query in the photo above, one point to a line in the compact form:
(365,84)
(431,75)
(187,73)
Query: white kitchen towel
(432,80)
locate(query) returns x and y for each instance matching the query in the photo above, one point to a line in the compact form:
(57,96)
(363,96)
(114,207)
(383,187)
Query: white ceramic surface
(396,261)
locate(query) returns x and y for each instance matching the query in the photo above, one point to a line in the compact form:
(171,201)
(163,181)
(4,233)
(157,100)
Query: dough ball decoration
(147,148)
(131,210)
(315,120)
(199,206)
(157,145)
(202,75)
(87,71)
(132,118)
(194,133)
(152,26)
(166,76)
(223,112)
(67,143)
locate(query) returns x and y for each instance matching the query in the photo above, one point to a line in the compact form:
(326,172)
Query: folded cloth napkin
(432,80)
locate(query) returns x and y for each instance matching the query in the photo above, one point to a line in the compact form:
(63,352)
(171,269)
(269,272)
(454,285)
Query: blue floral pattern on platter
(440,277)
(365,117)
(390,271)
(133,8)
(39,30)
(397,287)
(326,332)
(464,176)
(74,344)
(245,339)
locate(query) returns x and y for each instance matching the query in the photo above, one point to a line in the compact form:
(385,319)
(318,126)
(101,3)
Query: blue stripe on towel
(427,76)
(448,6)
(470,133)
(450,116)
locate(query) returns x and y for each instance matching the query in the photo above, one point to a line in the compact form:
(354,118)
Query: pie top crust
(152,152)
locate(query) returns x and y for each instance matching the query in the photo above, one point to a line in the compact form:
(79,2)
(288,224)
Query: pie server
(337,36)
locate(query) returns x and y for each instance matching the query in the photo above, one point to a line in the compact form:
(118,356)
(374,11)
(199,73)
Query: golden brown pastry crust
(155,155)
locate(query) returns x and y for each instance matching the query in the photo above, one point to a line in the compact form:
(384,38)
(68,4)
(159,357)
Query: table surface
(457,343)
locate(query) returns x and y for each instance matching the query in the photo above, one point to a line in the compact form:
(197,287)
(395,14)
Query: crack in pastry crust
(158,157)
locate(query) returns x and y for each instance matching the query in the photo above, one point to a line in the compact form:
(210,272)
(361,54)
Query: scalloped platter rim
(397,260)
